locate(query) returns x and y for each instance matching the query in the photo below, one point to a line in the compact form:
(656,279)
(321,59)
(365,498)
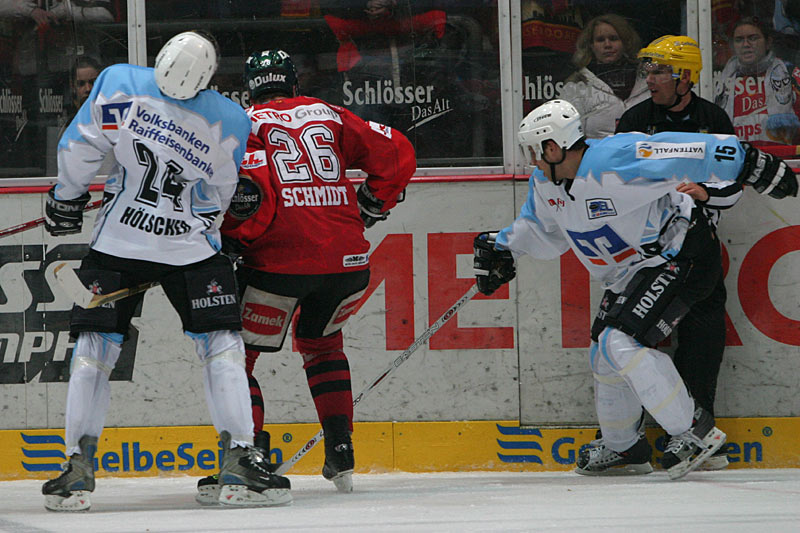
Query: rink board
(380,447)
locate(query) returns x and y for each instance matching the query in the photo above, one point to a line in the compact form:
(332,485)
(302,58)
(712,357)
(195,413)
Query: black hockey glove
(493,268)
(767,174)
(233,248)
(64,217)
(369,206)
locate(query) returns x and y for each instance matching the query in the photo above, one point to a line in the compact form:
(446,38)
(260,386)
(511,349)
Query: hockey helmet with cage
(677,51)
(556,120)
(270,71)
(185,65)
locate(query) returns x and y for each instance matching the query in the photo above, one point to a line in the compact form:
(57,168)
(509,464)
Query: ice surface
(766,501)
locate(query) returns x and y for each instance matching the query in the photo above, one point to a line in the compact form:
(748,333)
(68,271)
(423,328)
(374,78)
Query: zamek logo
(518,441)
(44,452)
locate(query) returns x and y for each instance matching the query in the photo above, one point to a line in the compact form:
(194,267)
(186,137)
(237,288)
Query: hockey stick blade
(85,298)
(399,360)
(39,221)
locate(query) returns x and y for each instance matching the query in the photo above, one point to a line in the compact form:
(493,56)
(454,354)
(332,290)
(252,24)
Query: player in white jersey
(614,203)
(178,148)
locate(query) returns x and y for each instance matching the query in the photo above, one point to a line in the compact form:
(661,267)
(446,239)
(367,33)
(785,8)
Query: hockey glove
(767,174)
(232,247)
(64,217)
(369,206)
(493,268)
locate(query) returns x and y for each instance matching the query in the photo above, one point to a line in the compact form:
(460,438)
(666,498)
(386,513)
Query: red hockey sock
(256,398)
(328,374)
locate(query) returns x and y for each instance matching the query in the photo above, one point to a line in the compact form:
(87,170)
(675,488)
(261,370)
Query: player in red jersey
(298,224)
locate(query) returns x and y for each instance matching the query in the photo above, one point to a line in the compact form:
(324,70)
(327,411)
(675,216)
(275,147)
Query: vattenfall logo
(657,150)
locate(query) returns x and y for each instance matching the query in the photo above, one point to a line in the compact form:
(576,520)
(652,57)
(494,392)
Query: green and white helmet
(270,71)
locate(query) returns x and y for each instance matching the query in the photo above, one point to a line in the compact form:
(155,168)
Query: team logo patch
(246,200)
(254,159)
(600,207)
(654,150)
(263,319)
(112,115)
(386,131)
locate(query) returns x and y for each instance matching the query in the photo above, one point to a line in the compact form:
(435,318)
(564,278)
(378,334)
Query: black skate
(690,449)
(208,487)
(339,460)
(70,491)
(601,460)
(246,481)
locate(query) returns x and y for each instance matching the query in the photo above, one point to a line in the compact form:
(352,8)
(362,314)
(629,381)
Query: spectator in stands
(756,88)
(606,83)
(82,76)
(24,9)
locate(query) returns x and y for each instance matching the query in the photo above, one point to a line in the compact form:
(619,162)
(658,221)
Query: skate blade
(77,501)
(343,481)
(619,470)
(711,443)
(241,496)
(715,462)
(208,495)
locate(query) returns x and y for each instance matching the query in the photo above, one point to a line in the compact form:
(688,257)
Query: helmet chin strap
(678,96)
(553,166)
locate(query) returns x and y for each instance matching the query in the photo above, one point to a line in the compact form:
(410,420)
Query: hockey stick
(422,339)
(83,297)
(39,221)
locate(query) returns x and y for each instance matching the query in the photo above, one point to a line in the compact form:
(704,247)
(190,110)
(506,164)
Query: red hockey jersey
(295,209)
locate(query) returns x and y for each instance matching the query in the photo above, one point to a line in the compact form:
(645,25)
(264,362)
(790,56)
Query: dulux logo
(523,449)
(44,447)
(267,78)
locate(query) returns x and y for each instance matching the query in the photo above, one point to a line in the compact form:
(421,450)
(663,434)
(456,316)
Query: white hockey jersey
(622,213)
(177,166)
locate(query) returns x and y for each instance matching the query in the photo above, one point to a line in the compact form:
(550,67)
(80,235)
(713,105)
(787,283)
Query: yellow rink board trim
(379,447)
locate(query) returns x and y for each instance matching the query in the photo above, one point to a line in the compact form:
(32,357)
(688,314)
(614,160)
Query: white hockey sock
(89,392)
(652,376)
(618,407)
(226,386)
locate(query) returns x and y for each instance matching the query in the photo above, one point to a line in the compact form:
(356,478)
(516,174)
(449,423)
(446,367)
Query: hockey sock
(652,377)
(89,392)
(256,398)
(328,374)
(225,383)
(618,407)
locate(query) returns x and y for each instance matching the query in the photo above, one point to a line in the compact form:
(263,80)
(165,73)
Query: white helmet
(556,120)
(185,64)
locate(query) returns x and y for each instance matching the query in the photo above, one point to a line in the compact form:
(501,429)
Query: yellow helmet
(677,51)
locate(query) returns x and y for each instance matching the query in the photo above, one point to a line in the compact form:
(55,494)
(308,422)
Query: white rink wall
(521,355)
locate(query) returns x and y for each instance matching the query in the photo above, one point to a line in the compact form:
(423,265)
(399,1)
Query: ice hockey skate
(600,460)
(70,491)
(208,487)
(245,480)
(716,461)
(339,460)
(690,449)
